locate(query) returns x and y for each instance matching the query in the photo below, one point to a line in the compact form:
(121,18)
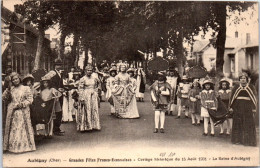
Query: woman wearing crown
(124,95)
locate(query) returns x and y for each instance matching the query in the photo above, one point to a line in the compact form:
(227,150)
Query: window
(232,65)
(250,61)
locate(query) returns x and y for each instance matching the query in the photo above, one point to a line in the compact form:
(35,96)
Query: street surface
(133,138)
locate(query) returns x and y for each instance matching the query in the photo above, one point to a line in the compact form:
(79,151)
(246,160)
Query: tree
(217,21)
(42,15)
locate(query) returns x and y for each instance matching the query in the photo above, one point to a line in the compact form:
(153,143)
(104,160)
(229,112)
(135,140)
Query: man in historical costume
(173,79)
(57,83)
(124,95)
(243,104)
(140,82)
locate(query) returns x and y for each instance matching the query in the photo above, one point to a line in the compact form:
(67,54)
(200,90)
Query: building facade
(19,45)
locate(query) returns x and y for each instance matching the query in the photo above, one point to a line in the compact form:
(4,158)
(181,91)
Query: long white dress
(124,97)
(66,107)
(87,117)
(19,135)
(140,78)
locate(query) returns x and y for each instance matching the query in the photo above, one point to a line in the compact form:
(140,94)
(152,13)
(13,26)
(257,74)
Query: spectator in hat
(160,97)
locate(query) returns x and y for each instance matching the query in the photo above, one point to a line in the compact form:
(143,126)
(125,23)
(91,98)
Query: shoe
(221,133)
(205,134)
(194,124)
(155,130)
(171,113)
(212,135)
(186,117)
(162,130)
(166,113)
(198,124)
(178,117)
(227,134)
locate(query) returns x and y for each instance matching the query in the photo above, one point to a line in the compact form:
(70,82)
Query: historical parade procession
(162,87)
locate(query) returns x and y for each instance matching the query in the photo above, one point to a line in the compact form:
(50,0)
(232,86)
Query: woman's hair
(211,86)
(42,86)
(247,79)
(121,67)
(220,85)
(12,75)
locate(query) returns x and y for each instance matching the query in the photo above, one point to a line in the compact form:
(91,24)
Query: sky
(250,25)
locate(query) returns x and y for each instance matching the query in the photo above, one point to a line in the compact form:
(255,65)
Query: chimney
(248,40)
(236,34)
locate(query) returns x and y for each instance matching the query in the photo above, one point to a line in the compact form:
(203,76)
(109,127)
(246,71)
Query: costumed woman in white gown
(124,96)
(88,111)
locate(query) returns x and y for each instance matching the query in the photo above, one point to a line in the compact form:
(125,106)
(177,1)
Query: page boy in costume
(160,98)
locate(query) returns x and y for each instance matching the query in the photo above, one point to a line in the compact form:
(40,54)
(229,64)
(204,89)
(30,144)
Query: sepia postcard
(130,83)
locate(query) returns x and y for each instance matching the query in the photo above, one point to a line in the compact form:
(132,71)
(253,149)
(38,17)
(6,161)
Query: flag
(41,111)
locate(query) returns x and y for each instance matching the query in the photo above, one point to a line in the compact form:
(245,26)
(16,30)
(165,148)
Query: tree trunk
(61,45)
(179,53)
(74,52)
(221,37)
(37,61)
(86,57)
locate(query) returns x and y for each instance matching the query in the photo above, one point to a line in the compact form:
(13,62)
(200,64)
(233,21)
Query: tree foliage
(118,30)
